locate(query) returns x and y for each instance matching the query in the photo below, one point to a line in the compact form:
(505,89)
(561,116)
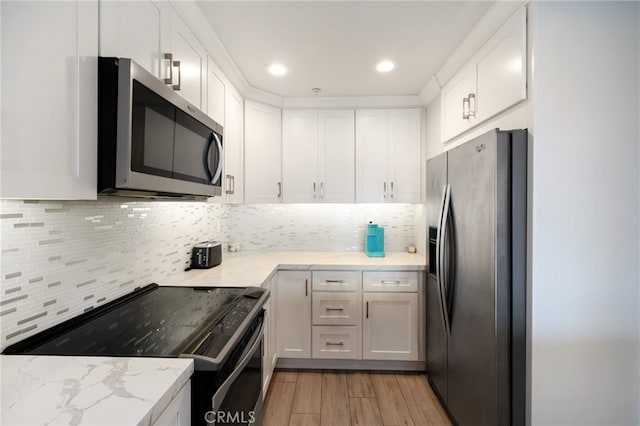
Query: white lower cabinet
(178,412)
(390,326)
(350,314)
(336,342)
(336,308)
(293,314)
(269,354)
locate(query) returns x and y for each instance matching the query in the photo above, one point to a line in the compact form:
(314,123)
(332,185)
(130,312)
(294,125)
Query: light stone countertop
(38,390)
(252,269)
(69,390)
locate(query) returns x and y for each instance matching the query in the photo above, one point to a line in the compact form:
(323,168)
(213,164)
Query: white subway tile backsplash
(60,259)
(319,227)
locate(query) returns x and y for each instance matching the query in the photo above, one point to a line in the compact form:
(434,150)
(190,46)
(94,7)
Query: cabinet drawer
(336,308)
(336,342)
(336,280)
(401,282)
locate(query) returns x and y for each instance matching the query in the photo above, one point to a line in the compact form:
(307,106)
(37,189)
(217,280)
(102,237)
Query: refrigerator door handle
(439,265)
(444,273)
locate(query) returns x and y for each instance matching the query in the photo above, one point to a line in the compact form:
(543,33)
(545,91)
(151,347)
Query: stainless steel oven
(232,394)
(220,328)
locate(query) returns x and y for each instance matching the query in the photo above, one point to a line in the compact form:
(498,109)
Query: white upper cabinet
(404,155)
(455,102)
(388,152)
(136,30)
(492,81)
(336,156)
(300,156)
(233,190)
(189,63)
(49,91)
(263,153)
(155,36)
(318,156)
(215,93)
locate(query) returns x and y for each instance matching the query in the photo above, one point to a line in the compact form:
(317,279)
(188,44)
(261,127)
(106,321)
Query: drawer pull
(395,282)
(334,309)
(335,343)
(335,281)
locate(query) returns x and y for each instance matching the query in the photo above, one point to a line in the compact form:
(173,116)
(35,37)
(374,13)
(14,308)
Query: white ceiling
(334,45)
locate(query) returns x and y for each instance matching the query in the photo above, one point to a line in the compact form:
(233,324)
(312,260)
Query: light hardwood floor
(337,398)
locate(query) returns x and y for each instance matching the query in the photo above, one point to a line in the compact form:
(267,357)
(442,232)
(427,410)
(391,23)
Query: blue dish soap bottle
(374,240)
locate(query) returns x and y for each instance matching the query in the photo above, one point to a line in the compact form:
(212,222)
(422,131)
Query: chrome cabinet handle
(306,287)
(334,281)
(314,190)
(394,282)
(230,184)
(322,190)
(328,308)
(279,189)
(177,86)
(367,311)
(472,112)
(384,186)
(465,115)
(391,190)
(334,343)
(169,57)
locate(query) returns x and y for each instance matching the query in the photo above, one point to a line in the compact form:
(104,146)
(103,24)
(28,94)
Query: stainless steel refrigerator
(476,319)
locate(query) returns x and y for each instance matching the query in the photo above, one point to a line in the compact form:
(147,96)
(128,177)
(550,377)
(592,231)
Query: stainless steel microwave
(152,142)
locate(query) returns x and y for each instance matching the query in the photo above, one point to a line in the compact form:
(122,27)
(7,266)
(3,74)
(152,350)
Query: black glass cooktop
(153,321)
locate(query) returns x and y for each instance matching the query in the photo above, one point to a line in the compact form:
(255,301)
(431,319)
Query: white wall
(586,195)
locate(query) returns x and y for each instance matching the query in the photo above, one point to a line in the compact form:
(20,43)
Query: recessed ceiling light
(276,69)
(385,66)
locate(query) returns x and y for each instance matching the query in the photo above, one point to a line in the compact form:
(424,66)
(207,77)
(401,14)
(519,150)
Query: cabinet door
(336,161)
(178,412)
(190,75)
(300,156)
(372,128)
(233,147)
(405,155)
(49,109)
(274,298)
(262,158)
(340,308)
(135,30)
(502,68)
(267,366)
(453,107)
(390,326)
(336,342)
(293,314)
(215,92)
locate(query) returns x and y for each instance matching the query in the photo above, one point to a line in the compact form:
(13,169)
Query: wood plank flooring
(337,398)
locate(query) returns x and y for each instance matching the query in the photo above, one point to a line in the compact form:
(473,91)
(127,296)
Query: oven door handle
(224,388)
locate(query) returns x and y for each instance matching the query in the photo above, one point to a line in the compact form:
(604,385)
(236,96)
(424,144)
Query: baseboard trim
(347,364)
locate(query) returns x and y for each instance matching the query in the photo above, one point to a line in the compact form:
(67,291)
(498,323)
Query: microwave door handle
(222,391)
(218,173)
(205,158)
